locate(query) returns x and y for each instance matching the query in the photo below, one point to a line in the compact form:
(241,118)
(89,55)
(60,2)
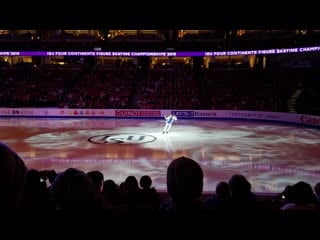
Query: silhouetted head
(13,174)
(131,183)
(51,175)
(184,180)
(303,193)
(317,189)
(33,179)
(239,185)
(109,186)
(97,178)
(74,189)
(145,182)
(223,190)
(286,195)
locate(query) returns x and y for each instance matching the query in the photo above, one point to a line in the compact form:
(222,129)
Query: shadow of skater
(168,143)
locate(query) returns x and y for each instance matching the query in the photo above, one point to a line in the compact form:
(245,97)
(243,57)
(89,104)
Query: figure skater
(169,120)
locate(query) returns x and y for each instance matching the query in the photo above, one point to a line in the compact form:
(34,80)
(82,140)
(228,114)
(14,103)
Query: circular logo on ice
(122,138)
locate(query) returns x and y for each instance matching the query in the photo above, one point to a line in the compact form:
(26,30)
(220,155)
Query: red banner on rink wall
(137,113)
